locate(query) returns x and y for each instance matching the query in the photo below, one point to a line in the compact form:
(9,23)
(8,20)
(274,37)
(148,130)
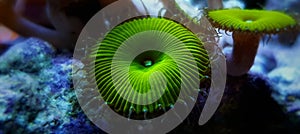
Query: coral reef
(37,95)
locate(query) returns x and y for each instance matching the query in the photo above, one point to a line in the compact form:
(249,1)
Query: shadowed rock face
(247,107)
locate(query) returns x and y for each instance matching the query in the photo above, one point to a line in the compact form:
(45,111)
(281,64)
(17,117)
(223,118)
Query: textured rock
(36,94)
(29,56)
(287,90)
(286,80)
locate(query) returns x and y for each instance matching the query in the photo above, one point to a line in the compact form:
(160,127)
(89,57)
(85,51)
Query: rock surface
(36,94)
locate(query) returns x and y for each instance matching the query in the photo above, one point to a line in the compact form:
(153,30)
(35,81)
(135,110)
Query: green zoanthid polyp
(146,63)
(256,21)
(247,27)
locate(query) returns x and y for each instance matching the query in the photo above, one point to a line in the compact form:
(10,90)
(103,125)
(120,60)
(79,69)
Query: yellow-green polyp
(247,27)
(259,21)
(145,64)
